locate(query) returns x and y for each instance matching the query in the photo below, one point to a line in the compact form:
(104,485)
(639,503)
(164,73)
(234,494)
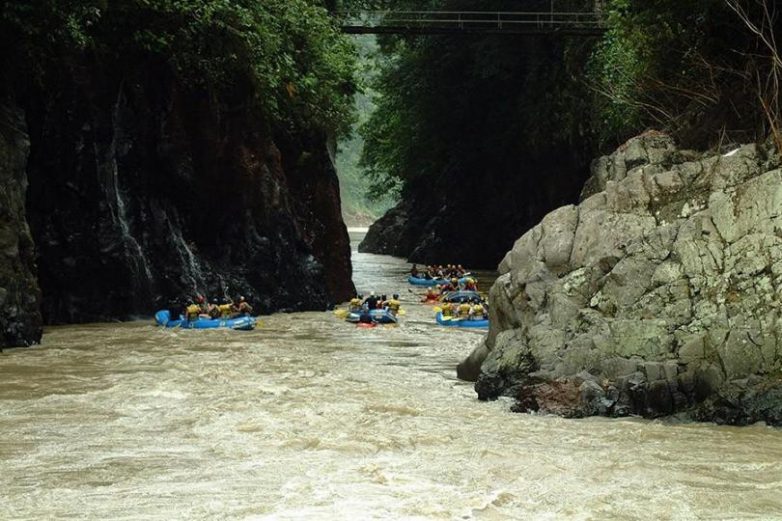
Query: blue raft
(418,281)
(461,322)
(380,316)
(461,296)
(244,323)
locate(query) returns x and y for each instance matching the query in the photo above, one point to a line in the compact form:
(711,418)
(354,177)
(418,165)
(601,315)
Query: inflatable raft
(379,316)
(418,281)
(244,323)
(461,322)
(461,296)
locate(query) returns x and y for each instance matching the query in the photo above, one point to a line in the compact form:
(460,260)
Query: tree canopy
(291,51)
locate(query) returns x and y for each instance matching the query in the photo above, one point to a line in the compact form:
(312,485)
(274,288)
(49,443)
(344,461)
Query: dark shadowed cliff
(151,165)
(142,190)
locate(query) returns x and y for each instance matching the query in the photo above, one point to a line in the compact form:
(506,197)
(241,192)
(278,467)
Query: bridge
(466,22)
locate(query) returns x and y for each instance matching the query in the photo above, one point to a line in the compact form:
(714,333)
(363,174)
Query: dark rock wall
(473,217)
(142,190)
(20,317)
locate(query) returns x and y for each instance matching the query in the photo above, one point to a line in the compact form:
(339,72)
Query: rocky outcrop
(659,293)
(473,216)
(20,316)
(395,233)
(142,190)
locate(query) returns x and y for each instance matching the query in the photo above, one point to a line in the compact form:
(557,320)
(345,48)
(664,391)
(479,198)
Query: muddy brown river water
(311,418)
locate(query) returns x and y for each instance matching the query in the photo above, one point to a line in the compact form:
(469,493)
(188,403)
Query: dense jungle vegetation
(285,56)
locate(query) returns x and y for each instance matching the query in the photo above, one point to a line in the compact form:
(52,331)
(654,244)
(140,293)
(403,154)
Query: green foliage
(457,106)
(671,64)
(290,51)
(358,207)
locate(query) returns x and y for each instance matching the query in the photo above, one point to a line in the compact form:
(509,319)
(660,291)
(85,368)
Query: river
(309,417)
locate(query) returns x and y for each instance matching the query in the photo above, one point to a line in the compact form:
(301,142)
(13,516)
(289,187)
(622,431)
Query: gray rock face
(663,284)
(20,317)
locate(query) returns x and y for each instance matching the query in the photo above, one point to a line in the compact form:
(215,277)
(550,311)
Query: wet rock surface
(20,316)
(658,293)
(142,190)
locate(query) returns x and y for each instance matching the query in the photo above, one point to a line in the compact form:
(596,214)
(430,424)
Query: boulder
(663,285)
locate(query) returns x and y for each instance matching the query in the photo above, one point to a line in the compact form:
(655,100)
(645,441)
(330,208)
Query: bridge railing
(497,20)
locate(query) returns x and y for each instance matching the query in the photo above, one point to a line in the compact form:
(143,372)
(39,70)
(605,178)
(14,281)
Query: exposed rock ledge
(659,293)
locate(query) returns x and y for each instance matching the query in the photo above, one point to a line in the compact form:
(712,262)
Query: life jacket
(394,305)
(225,310)
(447,309)
(464,309)
(192,311)
(477,311)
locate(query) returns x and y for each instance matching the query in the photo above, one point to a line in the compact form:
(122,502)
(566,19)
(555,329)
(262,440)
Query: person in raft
(431,295)
(192,310)
(394,305)
(453,285)
(414,271)
(463,310)
(226,308)
(371,301)
(355,304)
(470,284)
(213,310)
(477,311)
(243,307)
(203,306)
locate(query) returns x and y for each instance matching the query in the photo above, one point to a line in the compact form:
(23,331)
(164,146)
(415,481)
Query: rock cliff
(142,190)
(20,316)
(659,293)
(473,216)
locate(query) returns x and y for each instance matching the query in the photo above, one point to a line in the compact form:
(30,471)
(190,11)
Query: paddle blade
(402,312)
(437,309)
(341,313)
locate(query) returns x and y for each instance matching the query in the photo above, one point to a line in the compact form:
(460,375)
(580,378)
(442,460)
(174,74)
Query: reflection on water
(312,418)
